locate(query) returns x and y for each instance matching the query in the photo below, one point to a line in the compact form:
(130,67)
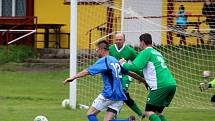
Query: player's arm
(139,62)
(78,75)
(139,78)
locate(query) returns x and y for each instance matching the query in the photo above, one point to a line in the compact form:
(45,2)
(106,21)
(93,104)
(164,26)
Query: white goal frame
(73,51)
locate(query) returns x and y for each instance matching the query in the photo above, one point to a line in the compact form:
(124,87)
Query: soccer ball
(65,103)
(206,74)
(40,118)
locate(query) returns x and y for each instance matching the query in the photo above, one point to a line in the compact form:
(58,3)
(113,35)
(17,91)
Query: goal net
(180,29)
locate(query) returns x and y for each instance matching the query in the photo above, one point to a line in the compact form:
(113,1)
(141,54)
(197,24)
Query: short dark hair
(103,44)
(181,7)
(147,38)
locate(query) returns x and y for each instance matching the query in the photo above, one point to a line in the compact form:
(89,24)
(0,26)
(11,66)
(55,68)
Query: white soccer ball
(206,74)
(40,118)
(65,103)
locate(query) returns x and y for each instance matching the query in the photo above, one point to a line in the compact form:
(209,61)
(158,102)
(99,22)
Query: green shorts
(161,97)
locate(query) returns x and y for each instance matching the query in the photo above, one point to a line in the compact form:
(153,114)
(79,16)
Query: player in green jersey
(157,75)
(119,50)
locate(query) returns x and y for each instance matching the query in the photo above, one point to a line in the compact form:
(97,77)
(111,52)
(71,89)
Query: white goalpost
(189,50)
(73,51)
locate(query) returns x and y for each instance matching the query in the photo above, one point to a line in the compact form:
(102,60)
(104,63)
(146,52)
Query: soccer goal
(181,31)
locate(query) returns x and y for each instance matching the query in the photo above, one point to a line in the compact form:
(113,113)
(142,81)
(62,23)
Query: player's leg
(150,112)
(213,100)
(99,104)
(131,104)
(159,113)
(91,114)
(113,110)
(110,114)
(157,100)
(170,92)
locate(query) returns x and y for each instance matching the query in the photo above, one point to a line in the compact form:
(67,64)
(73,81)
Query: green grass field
(27,94)
(24,95)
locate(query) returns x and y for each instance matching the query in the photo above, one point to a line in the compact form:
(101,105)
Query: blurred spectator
(181,24)
(208,11)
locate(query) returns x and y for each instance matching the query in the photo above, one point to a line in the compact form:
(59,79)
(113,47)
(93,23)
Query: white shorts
(101,103)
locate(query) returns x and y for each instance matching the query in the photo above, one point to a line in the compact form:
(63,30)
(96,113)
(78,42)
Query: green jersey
(126,52)
(155,71)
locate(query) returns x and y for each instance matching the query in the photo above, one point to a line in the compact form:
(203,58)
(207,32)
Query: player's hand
(203,86)
(121,61)
(68,80)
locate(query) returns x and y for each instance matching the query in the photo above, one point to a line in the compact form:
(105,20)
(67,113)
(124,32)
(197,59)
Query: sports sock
(154,117)
(131,104)
(136,109)
(92,117)
(162,117)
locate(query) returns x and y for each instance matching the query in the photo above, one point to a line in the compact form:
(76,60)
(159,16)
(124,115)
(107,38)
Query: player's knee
(112,111)
(213,100)
(148,113)
(159,114)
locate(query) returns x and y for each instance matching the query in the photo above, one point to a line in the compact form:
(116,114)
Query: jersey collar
(118,50)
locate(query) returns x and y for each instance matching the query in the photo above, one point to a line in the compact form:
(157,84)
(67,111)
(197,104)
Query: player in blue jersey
(112,96)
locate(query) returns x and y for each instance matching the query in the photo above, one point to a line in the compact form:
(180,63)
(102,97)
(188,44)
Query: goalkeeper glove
(203,86)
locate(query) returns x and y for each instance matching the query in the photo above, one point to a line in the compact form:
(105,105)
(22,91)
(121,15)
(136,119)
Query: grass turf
(24,95)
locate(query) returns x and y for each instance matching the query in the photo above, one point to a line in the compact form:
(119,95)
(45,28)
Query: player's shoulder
(111,57)
(112,46)
(148,49)
(129,47)
(106,59)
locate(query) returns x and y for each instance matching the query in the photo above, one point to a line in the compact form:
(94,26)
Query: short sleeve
(98,67)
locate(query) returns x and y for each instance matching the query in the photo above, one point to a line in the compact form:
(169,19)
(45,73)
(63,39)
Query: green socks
(136,109)
(154,117)
(163,118)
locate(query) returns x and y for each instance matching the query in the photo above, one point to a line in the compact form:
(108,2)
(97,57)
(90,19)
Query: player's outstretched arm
(139,78)
(78,75)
